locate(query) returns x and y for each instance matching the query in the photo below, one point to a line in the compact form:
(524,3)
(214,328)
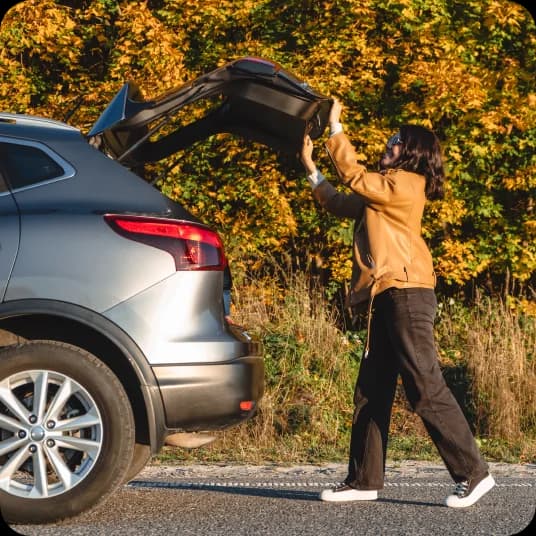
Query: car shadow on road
(298,495)
(410,503)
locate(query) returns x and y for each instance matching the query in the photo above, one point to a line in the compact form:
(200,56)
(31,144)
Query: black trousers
(402,342)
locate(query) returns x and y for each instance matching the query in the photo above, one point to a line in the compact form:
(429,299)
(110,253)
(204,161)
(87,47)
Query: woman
(392,269)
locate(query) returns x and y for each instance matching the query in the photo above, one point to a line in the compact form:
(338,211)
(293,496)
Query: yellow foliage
(523,305)
(530,225)
(340,265)
(458,262)
(522,180)
(388,62)
(157,53)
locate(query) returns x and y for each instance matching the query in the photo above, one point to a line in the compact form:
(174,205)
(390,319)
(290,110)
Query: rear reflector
(247,405)
(192,246)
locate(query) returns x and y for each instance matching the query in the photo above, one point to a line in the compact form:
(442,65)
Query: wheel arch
(72,324)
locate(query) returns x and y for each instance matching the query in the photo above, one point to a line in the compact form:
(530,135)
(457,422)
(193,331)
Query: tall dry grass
(502,363)
(311,366)
(497,345)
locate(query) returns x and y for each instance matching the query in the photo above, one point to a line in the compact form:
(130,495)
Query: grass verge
(487,352)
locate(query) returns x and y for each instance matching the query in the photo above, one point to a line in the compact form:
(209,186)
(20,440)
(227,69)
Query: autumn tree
(465,69)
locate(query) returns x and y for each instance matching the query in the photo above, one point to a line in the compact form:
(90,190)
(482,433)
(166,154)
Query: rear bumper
(203,397)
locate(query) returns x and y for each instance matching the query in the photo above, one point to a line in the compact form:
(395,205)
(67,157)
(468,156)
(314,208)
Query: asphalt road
(272,500)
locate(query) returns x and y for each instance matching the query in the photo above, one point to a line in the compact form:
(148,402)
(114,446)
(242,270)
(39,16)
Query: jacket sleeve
(337,203)
(373,187)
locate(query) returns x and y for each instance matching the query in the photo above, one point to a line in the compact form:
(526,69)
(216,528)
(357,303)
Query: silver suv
(113,321)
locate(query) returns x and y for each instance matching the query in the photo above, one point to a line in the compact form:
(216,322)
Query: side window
(24,165)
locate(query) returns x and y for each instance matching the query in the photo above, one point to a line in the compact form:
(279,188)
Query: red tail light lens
(192,246)
(247,405)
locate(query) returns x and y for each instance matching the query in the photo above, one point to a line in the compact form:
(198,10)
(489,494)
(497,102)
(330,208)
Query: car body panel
(83,271)
(52,211)
(172,328)
(9,237)
(99,183)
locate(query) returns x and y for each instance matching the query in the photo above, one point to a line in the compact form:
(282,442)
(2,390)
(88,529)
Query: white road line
(189,484)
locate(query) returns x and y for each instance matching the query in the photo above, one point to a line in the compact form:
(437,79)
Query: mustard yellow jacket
(388,249)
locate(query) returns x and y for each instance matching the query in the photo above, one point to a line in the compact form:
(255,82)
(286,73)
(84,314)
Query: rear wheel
(66,432)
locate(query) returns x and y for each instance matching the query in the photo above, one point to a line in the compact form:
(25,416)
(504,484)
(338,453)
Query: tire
(66,432)
(142,454)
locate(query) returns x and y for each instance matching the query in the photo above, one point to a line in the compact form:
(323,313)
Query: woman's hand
(306,155)
(335,111)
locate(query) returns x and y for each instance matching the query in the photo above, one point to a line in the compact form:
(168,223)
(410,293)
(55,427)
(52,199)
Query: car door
(9,234)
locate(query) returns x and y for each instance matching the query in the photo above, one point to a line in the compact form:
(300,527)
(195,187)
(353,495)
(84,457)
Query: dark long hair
(421,153)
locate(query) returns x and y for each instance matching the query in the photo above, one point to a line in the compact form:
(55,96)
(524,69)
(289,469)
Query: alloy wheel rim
(51,434)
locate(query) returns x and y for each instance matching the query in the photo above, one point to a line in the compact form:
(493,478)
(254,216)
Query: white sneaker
(467,493)
(346,493)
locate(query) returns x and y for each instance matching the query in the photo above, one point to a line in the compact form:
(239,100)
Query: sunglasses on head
(394,140)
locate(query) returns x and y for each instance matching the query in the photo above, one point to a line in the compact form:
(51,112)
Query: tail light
(192,246)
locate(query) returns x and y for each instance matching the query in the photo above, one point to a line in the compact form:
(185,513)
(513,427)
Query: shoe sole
(348,496)
(480,490)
